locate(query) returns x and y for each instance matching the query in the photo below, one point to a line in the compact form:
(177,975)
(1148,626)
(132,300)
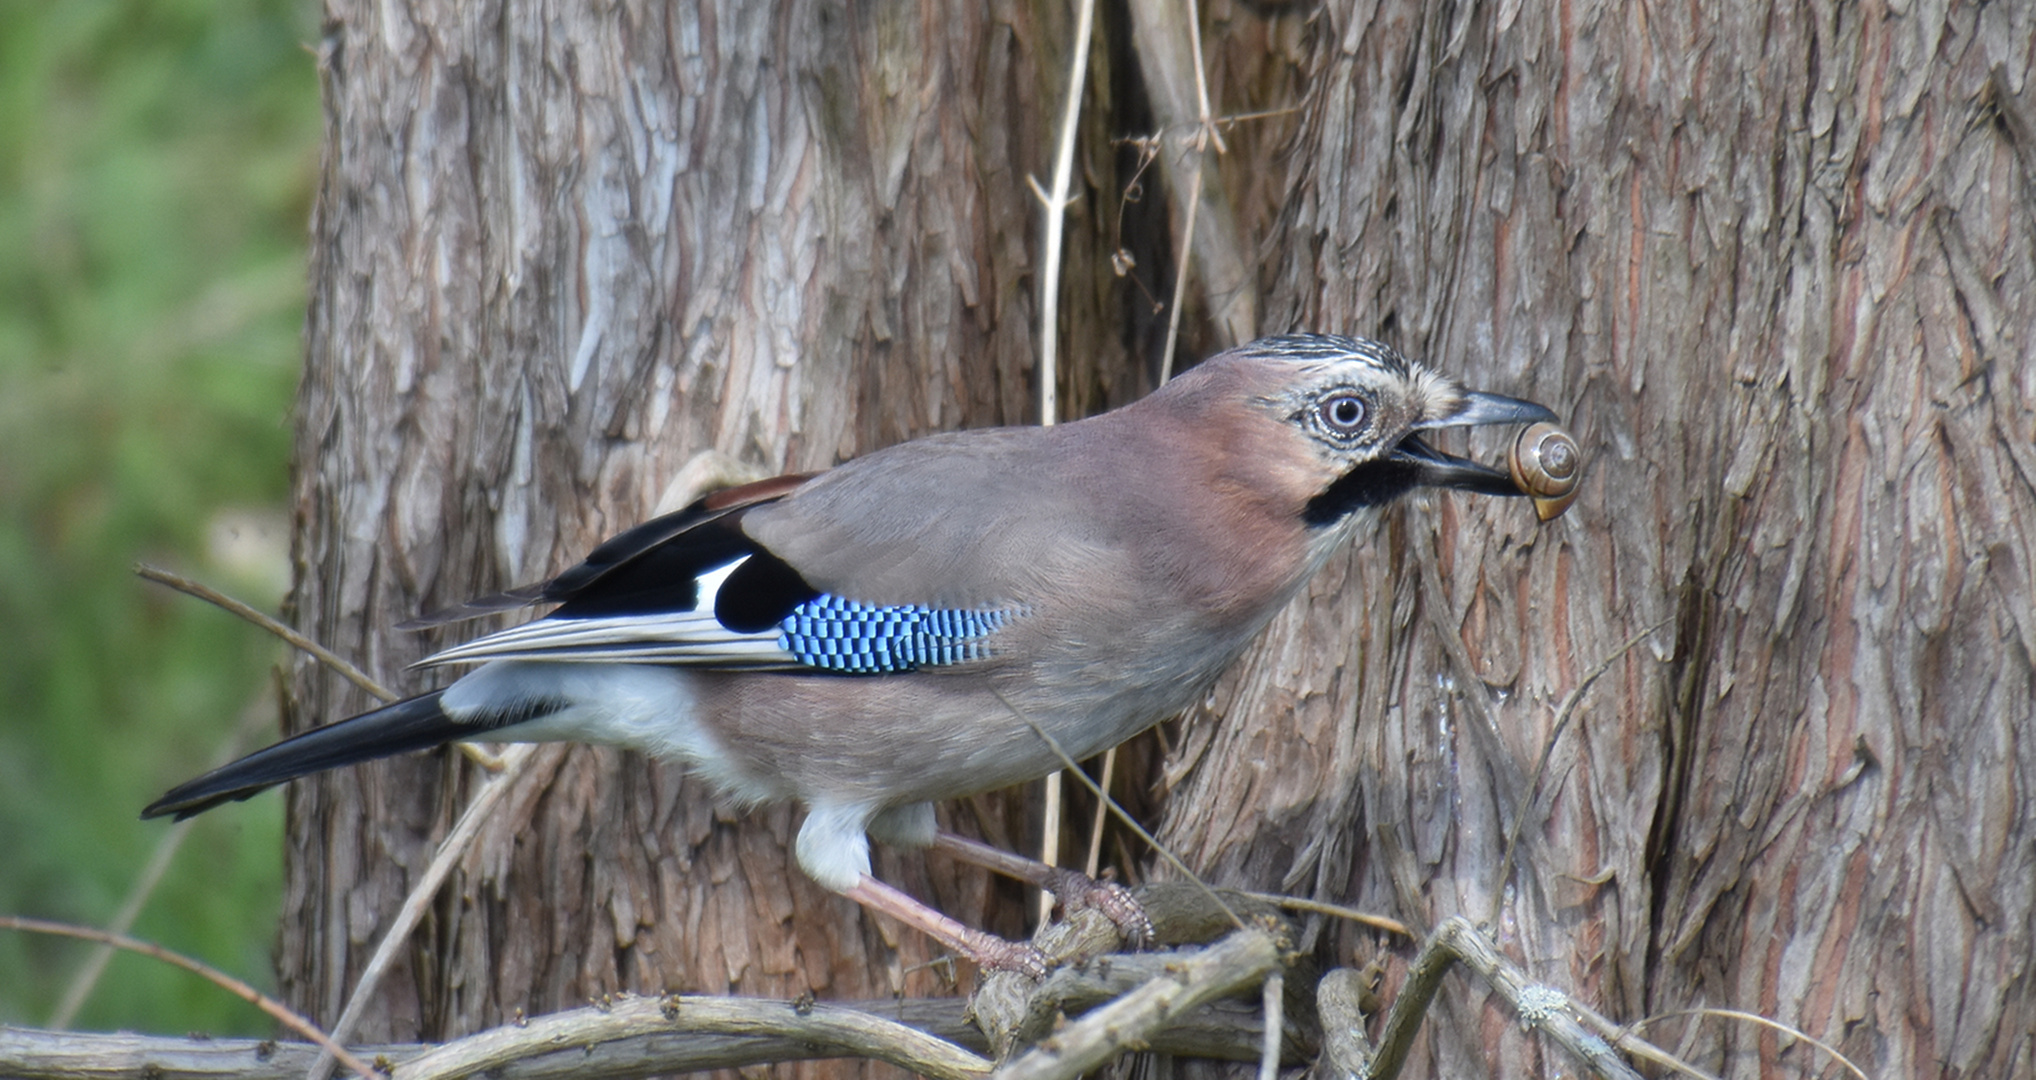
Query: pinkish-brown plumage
(1084,581)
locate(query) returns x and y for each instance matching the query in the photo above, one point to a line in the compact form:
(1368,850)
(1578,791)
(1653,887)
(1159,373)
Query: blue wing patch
(854,638)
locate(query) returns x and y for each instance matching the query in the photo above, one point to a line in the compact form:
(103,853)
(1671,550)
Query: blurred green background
(157,163)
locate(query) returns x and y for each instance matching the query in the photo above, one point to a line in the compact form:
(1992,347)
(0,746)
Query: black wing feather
(660,577)
(648,568)
(760,593)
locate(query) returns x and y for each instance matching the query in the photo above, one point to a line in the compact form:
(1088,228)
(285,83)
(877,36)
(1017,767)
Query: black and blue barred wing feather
(692,589)
(848,637)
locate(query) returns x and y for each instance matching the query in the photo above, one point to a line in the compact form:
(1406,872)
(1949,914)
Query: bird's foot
(1078,892)
(997,954)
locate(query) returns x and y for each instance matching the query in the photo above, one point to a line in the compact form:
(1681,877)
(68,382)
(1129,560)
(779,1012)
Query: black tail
(416,724)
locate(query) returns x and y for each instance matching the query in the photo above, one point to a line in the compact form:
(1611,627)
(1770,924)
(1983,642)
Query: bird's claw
(1025,959)
(1080,892)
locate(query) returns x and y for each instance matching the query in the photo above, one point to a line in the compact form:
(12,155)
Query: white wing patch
(672,637)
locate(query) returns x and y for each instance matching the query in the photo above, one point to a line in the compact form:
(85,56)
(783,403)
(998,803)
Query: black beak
(1433,468)
(1414,463)
(1480,409)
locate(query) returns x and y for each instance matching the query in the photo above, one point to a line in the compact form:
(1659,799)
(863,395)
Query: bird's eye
(1344,413)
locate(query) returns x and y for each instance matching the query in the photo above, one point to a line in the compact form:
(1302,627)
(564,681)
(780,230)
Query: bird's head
(1339,420)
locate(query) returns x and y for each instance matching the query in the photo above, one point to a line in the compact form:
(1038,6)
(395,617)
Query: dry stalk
(1057,201)
(1273,995)
(1094,863)
(1049,336)
(1337,911)
(450,851)
(1205,133)
(1173,318)
(1623,1037)
(1169,47)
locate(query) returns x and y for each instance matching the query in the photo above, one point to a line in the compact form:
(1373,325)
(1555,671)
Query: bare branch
(612,1040)
(833,1030)
(1541,1007)
(282,1013)
(1236,962)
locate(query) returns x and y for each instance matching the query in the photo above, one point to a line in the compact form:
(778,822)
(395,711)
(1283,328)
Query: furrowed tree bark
(558,252)
(1774,265)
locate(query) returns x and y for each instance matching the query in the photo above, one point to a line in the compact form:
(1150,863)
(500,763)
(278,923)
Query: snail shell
(1546,466)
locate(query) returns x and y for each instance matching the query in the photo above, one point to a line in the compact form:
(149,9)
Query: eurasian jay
(876,637)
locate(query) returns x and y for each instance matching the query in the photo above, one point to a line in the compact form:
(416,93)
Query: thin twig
(1318,907)
(82,984)
(1562,718)
(1069,766)
(1173,318)
(1049,838)
(1621,1036)
(282,1013)
(317,652)
(87,978)
(323,655)
(1234,119)
(1754,1018)
(450,851)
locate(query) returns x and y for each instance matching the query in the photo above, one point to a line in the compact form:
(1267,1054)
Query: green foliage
(157,160)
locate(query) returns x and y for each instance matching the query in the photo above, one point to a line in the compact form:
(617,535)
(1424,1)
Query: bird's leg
(988,951)
(1074,889)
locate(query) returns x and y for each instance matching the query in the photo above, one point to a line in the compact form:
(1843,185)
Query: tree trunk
(1773,265)
(559,251)
(1778,269)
